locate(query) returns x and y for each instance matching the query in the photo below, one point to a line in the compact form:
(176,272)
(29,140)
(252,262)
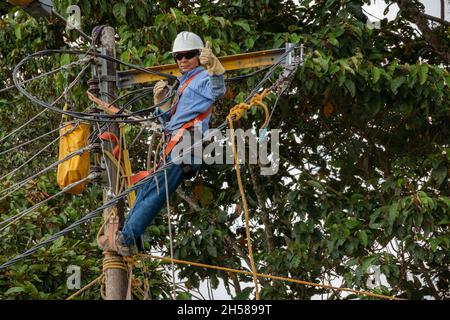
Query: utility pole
(116,277)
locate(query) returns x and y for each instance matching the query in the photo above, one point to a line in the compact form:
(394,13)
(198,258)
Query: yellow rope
(235,114)
(119,163)
(113,261)
(90,284)
(128,171)
(268,276)
(247,216)
(146,289)
(258,100)
(239,110)
(130,264)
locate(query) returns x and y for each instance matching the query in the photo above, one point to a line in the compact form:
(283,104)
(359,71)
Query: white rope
(104,159)
(169,222)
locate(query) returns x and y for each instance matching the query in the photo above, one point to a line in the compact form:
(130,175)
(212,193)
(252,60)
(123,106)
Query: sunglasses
(188,55)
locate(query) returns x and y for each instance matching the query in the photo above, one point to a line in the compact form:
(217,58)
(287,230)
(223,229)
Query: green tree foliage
(363,182)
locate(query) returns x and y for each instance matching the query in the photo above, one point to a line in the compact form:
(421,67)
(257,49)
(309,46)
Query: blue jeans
(149,201)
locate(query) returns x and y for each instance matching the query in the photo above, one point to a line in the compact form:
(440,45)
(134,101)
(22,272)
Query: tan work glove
(159,92)
(210,61)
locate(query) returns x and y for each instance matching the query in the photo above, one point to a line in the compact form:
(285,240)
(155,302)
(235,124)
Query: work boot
(122,248)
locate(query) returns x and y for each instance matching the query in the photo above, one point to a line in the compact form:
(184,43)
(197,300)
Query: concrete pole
(116,278)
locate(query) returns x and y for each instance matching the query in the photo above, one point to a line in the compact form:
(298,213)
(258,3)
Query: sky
(432,7)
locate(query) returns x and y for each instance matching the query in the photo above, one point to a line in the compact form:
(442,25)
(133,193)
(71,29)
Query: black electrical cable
(245,76)
(107,118)
(23,213)
(37,154)
(81,115)
(48,73)
(269,73)
(32,140)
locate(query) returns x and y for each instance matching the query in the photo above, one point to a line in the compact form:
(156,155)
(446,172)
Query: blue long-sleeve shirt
(196,98)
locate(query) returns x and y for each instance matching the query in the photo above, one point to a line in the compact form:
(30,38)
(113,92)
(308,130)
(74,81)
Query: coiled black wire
(83,115)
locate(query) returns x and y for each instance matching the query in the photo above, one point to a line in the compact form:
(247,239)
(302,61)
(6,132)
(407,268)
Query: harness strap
(177,97)
(172,143)
(175,139)
(109,136)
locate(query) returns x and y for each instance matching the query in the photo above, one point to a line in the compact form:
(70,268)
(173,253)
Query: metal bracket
(108,78)
(290,67)
(233,62)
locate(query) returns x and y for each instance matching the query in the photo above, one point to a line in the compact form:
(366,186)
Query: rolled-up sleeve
(212,87)
(197,98)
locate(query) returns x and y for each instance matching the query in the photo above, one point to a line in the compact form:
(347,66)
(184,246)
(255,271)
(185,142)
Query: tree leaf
(212,250)
(243,24)
(244,294)
(367,262)
(423,73)
(439,175)
(315,184)
(363,238)
(205,19)
(14,290)
(393,212)
(396,83)
(18,31)
(329,3)
(350,85)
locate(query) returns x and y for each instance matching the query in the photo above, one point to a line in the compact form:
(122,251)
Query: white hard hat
(186,41)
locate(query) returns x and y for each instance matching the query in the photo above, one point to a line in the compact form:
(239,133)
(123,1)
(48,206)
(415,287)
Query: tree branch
(413,13)
(186,198)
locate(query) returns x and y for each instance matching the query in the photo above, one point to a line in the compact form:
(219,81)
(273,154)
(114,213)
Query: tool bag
(73,137)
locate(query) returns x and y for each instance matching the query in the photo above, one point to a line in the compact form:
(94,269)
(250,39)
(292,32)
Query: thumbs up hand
(206,56)
(159,93)
(210,61)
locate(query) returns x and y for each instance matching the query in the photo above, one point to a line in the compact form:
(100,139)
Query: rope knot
(238,111)
(130,260)
(258,98)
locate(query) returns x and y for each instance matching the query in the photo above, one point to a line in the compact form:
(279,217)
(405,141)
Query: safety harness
(179,134)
